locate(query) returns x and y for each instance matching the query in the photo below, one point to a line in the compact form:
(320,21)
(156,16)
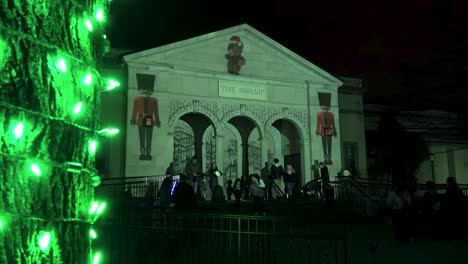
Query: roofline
(303,62)
(455,141)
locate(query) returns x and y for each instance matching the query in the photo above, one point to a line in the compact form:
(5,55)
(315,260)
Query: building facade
(443,133)
(352,123)
(233,97)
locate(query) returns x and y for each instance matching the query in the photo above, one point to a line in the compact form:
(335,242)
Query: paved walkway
(420,251)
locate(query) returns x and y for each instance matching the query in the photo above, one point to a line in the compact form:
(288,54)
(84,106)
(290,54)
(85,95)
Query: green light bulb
(99,15)
(94,207)
(92,146)
(97,258)
(109,131)
(77,108)
(104,36)
(111,84)
(101,208)
(35,169)
(92,234)
(18,130)
(1,224)
(88,79)
(62,65)
(112,131)
(44,240)
(89,25)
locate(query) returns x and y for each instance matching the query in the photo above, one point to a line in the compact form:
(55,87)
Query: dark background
(410,53)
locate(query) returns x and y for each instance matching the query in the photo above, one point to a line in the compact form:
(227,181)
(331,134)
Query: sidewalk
(421,251)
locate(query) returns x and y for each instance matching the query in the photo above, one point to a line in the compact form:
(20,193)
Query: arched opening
(232,153)
(188,138)
(251,155)
(289,146)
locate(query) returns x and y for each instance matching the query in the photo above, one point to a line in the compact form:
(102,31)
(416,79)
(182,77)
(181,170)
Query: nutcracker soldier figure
(326,126)
(145,113)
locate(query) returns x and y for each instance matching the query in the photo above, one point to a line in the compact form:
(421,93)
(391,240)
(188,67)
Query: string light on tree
(97,258)
(92,234)
(35,169)
(44,240)
(112,84)
(62,65)
(89,25)
(101,208)
(18,130)
(88,79)
(94,207)
(97,208)
(99,15)
(77,108)
(92,146)
(108,131)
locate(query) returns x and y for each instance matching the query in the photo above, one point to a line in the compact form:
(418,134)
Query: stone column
(264,150)
(199,146)
(245,159)
(220,157)
(306,161)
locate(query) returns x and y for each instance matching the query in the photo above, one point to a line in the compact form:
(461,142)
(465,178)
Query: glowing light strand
(92,172)
(41,219)
(109,131)
(54,118)
(18,130)
(44,240)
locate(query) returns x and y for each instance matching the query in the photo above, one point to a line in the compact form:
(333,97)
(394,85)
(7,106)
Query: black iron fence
(346,189)
(155,236)
(136,187)
(379,188)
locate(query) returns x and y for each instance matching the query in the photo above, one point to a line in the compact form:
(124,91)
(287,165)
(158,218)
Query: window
(350,150)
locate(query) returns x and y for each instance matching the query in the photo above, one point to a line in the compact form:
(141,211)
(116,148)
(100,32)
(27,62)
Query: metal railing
(379,188)
(136,187)
(153,236)
(350,190)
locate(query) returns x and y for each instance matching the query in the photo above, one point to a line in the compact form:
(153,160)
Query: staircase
(351,191)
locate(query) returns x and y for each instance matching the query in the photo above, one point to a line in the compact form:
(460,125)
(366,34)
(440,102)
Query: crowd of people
(273,183)
(438,216)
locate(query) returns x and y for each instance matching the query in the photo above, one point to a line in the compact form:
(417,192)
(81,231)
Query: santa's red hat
(235,39)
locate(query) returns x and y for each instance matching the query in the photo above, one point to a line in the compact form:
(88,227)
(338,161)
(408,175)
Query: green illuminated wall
(49,85)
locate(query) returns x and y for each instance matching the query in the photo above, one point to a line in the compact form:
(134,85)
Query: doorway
(295,161)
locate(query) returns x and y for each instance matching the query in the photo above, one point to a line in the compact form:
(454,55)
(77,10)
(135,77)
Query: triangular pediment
(264,57)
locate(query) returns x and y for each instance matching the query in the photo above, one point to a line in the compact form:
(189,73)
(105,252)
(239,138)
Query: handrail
(133,177)
(122,183)
(364,202)
(198,211)
(375,184)
(358,187)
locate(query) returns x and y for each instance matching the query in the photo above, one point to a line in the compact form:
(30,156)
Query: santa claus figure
(234,55)
(145,113)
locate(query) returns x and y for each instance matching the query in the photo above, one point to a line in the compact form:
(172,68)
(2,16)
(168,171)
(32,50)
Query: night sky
(409,53)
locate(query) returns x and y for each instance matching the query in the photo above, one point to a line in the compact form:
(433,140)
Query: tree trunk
(34,35)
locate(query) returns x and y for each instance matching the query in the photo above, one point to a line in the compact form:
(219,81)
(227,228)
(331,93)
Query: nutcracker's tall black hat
(324,99)
(145,82)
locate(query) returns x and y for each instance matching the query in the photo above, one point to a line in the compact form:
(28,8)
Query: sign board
(243,90)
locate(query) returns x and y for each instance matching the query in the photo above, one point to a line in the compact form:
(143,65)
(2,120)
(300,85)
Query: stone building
(442,131)
(237,98)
